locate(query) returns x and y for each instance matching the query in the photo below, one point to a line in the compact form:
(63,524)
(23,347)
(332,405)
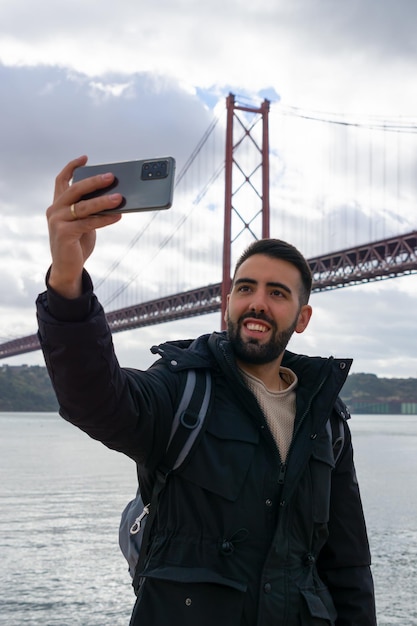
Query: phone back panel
(146,185)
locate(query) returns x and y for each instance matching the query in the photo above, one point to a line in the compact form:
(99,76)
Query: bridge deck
(387,258)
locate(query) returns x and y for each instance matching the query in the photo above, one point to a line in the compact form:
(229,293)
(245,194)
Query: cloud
(50,115)
(370,323)
(326,54)
(134,81)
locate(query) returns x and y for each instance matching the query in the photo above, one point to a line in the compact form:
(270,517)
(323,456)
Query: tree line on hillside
(28,388)
(366,393)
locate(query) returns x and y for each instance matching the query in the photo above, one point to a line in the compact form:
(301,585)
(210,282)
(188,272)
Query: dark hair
(277,249)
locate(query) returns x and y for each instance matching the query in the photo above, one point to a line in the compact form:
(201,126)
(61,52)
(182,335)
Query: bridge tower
(246,212)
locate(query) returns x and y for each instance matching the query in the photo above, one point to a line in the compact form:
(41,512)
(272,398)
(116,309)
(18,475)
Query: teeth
(258,327)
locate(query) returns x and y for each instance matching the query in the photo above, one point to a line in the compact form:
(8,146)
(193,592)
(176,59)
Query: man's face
(264,309)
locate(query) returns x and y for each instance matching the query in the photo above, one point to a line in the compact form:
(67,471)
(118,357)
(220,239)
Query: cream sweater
(277,406)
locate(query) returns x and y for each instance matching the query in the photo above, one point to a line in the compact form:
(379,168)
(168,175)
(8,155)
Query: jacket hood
(209,350)
(186,353)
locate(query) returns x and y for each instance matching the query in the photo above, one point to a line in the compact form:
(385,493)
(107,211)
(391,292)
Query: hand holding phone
(146,185)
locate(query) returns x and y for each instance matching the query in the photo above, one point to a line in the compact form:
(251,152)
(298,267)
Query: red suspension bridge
(256,176)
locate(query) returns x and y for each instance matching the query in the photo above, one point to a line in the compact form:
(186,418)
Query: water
(386,461)
(61,495)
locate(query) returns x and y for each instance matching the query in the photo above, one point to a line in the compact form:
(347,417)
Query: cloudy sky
(132,79)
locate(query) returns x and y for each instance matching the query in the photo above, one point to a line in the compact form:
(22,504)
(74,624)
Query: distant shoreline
(27,388)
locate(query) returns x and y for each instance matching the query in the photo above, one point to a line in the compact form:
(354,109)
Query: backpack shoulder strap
(188,420)
(187,426)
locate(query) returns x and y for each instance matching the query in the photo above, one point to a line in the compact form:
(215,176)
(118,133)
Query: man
(262,526)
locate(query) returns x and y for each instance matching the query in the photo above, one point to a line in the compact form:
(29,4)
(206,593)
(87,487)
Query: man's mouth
(261,328)
(256,326)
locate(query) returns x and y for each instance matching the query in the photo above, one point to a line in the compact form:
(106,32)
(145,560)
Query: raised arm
(113,405)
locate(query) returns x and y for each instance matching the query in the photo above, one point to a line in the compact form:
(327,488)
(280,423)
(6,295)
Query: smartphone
(145,185)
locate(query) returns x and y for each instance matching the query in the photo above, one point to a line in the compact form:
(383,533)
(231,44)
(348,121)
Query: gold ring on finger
(73,212)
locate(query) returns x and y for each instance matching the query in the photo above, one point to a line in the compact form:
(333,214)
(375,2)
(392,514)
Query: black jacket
(240,538)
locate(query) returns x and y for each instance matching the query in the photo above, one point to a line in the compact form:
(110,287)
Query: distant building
(383,408)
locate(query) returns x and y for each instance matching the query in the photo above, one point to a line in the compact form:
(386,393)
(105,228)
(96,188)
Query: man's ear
(304,317)
(227,308)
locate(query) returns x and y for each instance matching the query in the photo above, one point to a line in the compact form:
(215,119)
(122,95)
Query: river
(61,495)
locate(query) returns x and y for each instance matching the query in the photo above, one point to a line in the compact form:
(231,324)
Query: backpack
(137,517)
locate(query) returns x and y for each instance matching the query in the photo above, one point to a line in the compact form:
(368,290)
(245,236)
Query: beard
(252,351)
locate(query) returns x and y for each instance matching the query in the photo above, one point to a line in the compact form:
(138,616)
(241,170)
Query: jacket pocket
(321,467)
(162,602)
(318,608)
(222,460)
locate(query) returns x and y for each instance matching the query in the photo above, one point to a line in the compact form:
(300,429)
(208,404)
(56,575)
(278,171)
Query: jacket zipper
(283,465)
(282,472)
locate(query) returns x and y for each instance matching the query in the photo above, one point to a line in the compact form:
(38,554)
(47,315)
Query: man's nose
(258,304)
